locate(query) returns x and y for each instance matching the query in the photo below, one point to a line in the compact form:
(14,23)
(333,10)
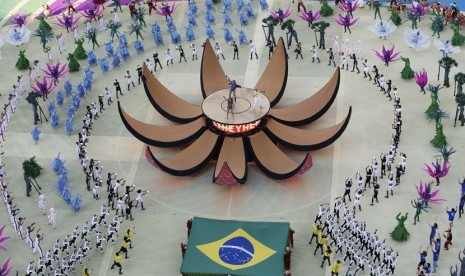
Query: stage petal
(305,139)
(270,159)
(212,76)
(168,104)
(310,109)
(274,78)
(232,155)
(162,136)
(193,158)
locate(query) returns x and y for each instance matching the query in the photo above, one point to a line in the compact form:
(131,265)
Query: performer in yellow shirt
(316,231)
(336,267)
(86,272)
(322,239)
(116,262)
(327,254)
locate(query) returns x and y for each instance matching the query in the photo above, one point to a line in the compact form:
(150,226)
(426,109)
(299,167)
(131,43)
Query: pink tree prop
(281,15)
(92,13)
(5,269)
(55,72)
(67,21)
(437,171)
(346,21)
(348,6)
(421,78)
(19,19)
(3,238)
(165,10)
(310,16)
(43,88)
(426,193)
(387,55)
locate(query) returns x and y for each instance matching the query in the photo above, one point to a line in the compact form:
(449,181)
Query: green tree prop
(73,64)
(434,106)
(32,99)
(439,139)
(459,81)
(44,25)
(325,10)
(32,170)
(23,62)
(400,233)
(460,100)
(395,17)
(79,52)
(457,39)
(320,27)
(407,73)
(446,63)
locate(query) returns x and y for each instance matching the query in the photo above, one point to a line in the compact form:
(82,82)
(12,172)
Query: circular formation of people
(344,231)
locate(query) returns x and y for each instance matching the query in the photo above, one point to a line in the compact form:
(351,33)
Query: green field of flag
(222,247)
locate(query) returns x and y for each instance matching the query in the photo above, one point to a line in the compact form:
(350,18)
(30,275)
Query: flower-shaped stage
(253,134)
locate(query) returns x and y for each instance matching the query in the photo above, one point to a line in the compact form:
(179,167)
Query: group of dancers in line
(75,247)
(361,249)
(10,106)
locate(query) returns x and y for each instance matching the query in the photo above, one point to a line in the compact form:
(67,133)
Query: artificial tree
(447,63)
(407,73)
(22,63)
(31,170)
(325,10)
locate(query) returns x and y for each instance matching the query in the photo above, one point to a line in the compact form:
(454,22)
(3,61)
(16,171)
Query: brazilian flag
(222,247)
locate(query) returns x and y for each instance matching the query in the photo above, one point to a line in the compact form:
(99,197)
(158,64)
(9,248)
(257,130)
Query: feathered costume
(437,171)
(137,29)
(19,19)
(310,16)
(280,15)
(91,58)
(209,18)
(190,35)
(43,88)
(68,22)
(242,37)
(227,35)
(209,32)
(416,40)
(109,48)
(18,36)
(382,29)
(387,56)
(226,18)
(446,48)
(421,78)
(55,72)
(104,66)
(114,29)
(346,22)
(139,46)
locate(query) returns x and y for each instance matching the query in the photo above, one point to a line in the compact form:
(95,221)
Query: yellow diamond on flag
(237,250)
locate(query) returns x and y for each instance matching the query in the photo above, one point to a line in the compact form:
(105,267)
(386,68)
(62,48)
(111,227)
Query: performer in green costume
(400,233)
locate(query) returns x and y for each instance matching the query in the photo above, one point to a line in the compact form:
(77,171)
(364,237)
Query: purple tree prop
(427,194)
(55,72)
(165,10)
(3,238)
(281,15)
(310,16)
(346,22)
(437,171)
(420,11)
(43,88)
(92,13)
(19,19)
(5,269)
(421,78)
(67,21)
(348,6)
(387,55)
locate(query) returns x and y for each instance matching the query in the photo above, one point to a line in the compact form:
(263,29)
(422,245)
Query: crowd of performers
(75,247)
(338,232)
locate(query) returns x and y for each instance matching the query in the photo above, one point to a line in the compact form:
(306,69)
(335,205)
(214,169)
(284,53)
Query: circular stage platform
(246,115)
